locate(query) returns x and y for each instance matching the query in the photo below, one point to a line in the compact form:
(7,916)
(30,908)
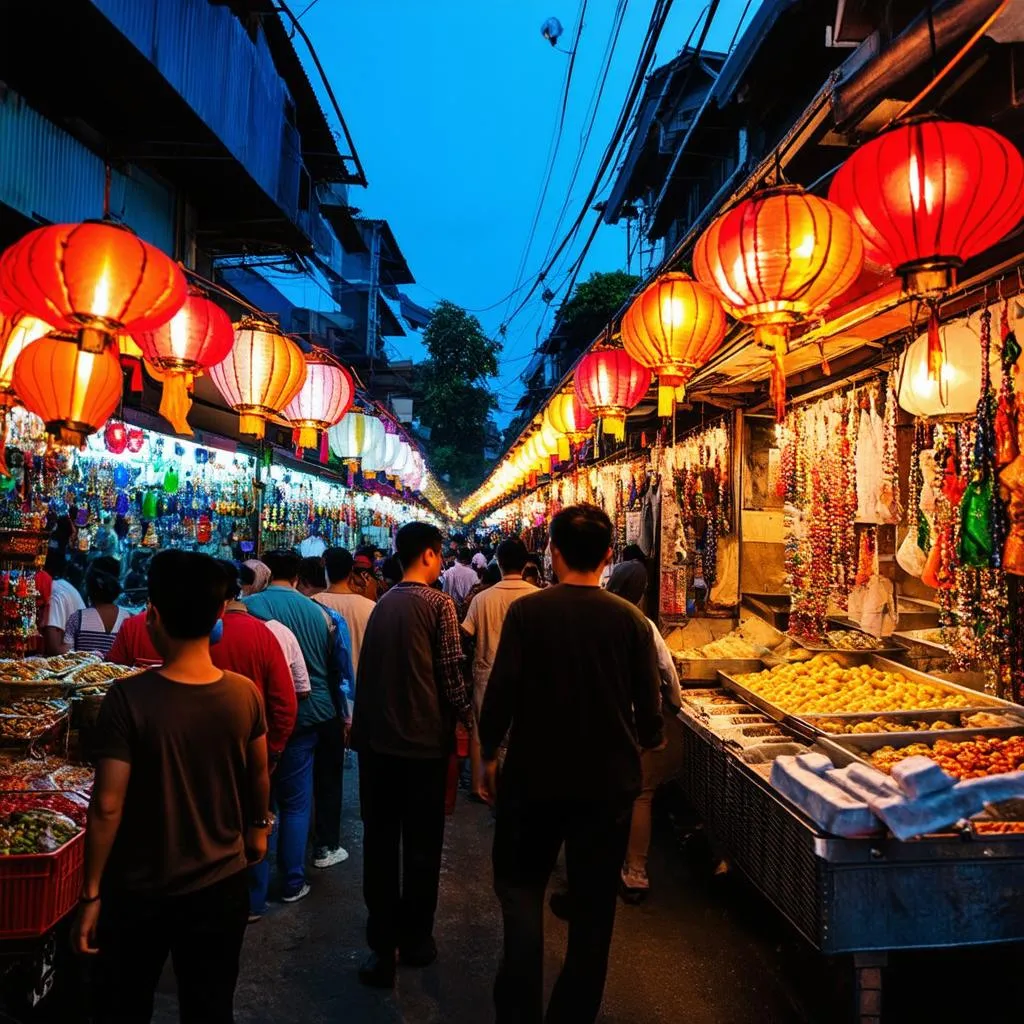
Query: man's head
(419,551)
(338,562)
(312,578)
(103,580)
(283,565)
(465,556)
(633,553)
(581,540)
(187,593)
(233,577)
(512,556)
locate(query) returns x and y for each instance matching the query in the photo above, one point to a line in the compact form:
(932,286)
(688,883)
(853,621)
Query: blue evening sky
(452,106)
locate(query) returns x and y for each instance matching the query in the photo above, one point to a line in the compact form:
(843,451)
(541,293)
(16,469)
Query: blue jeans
(259,877)
(293,794)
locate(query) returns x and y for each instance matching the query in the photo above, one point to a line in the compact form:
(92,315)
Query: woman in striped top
(94,628)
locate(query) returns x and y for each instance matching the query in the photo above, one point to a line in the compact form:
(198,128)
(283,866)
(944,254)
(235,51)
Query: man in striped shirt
(411,692)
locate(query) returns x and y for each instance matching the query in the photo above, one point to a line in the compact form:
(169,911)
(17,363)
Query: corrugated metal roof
(226,77)
(46,174)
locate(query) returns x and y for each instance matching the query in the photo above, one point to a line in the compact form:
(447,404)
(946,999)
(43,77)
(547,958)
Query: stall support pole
(259,486)
(868,971)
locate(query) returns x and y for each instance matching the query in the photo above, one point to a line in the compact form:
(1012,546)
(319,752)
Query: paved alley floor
(681,957)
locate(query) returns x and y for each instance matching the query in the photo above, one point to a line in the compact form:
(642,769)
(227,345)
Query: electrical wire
(554,145)
(654,29)
(590,117)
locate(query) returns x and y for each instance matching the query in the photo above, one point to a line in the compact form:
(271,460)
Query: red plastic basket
(38,889)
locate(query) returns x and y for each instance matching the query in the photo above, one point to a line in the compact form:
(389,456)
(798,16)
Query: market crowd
(260,682)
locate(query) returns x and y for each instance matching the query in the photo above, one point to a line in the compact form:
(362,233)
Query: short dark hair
(338,562)
(512,555)
(415,538)
(391,570)
(282,563)
(246,577)
(103,580)
(188,590)
(311,572)
(633,553)
(492,575)
(464,555)
(233,577)
(583,534)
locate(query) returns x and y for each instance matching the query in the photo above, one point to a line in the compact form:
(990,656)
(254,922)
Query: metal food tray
(909,635)
(846,750)
(848,659)
(899,649)
(702,670)
(931,715)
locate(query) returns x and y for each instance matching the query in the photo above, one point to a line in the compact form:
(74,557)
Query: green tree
(455,402)
(585,313)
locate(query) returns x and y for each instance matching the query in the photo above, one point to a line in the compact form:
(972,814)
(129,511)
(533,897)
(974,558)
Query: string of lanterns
(920,200)
(76,299)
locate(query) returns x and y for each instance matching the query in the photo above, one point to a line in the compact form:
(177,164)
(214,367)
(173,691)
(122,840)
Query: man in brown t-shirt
(178,810)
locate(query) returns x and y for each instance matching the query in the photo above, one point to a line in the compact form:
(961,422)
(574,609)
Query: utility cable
(554,145)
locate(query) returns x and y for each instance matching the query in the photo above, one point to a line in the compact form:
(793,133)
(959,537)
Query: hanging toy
(115,437)
(978,547)
(135,440)
(171,481)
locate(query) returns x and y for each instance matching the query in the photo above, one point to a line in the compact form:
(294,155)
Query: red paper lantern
(72,391)
(609,383)
(324,398)
(930,194)
(775,260)
(95,278)
(197,337)
(674,326)
(136,439)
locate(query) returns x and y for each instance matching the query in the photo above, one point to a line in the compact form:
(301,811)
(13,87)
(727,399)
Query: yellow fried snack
(824,686)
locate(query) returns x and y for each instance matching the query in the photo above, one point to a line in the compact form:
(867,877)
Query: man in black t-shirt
(178,810)
(575,685)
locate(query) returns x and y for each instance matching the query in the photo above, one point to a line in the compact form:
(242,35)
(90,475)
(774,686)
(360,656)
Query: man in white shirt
(483,623)
(353,607)
(461,578)
(64,601)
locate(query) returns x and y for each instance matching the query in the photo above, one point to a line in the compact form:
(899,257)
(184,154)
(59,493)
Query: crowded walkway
(687,955)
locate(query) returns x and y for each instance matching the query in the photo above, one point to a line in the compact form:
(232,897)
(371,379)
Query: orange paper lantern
(570,419)
(674,326)
(609,383)
(17,331)
(261,374)
(95,279)
(72,391)
(197,337)
(324,398)
(775,260)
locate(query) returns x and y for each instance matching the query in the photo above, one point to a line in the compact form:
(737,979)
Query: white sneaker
(326,858)
(635,881)
(300,895)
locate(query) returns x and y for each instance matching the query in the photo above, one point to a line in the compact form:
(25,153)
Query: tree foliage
(585,313)
(455,402)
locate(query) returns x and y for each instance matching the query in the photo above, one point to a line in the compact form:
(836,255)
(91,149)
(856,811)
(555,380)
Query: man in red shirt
(246,647)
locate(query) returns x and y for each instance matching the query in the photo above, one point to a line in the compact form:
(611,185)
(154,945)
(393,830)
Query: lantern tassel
(4,471)
(564,452)
(250,424)
(826,368)
(936,353)
(776,339)
(325,449)
(135,366)
(307,437)
(615,426)
(666,400)
(175,402)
